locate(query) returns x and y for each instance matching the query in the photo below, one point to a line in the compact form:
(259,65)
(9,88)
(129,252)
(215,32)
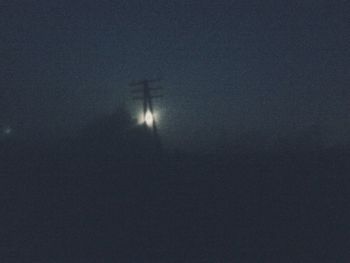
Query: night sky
(228,67)
(256,72)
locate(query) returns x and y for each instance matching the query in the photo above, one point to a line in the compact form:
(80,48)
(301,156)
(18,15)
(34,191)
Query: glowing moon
(149,118)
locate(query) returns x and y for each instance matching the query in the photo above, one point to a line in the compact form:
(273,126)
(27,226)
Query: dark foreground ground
(276,210)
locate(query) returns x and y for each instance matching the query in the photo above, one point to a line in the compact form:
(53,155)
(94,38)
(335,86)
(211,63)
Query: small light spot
(7,130)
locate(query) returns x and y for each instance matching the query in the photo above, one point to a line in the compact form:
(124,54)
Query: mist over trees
(114,143)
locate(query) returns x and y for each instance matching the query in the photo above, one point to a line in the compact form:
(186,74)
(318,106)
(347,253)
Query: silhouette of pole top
(144,93)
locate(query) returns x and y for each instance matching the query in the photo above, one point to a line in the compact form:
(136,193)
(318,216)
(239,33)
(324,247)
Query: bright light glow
(149,118)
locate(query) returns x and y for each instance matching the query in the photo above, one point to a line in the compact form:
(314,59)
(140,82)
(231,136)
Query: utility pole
(143,92)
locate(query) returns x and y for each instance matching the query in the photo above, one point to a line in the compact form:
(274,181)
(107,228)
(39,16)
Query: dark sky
(227,66)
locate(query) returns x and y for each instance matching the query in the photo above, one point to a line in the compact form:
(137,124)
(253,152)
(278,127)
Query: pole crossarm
(142,82)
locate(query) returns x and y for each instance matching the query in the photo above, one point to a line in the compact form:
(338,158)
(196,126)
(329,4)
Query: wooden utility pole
(143,92)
